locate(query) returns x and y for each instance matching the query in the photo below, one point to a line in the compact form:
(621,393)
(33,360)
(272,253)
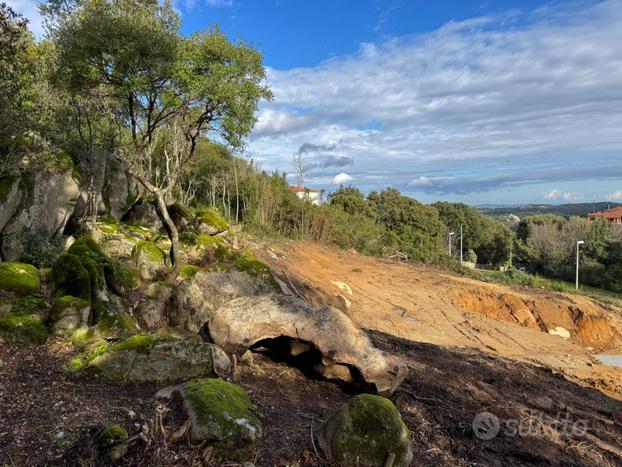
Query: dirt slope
(426,305)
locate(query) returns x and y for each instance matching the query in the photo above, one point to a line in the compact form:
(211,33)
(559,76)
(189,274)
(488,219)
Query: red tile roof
(303,189)
(614,213)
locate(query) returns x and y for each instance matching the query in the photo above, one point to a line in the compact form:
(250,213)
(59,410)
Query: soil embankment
(424,304)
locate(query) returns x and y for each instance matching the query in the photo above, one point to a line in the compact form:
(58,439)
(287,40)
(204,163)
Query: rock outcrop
(345,351)
(41,198)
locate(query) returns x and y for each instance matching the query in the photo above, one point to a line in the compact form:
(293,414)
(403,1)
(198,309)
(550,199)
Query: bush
(39,249)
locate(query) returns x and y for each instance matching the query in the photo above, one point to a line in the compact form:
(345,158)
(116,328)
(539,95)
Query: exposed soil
(424,304)
(443,393)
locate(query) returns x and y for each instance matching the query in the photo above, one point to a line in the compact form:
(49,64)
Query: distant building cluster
(315,196)
(612,215)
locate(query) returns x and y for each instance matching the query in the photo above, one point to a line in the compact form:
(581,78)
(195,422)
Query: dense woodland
(118,80)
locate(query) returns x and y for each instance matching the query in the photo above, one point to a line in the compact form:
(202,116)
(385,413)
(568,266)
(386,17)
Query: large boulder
(10,196)
(120,189)
(69,314)
(149,357)
(143,212)
(200,296)
(157,302)
(257,321)
(366,431)
(19,279)
(209,221)
(86,273)
(47,196)
(149,260)
(21,329)
(221,415)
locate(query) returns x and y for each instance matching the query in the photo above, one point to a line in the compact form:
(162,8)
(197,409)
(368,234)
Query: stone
(199,296)
(68,314)
(222,415)
(111,442)
(144,213)
(252,321)
(149,260)
(49,190)
(157,301)
(120,189)
(10,198)
(209,221)
(22,329)
(158,358)
(366,431)
(19,279)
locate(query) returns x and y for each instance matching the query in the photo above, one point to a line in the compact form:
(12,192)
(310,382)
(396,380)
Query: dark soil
(438,401)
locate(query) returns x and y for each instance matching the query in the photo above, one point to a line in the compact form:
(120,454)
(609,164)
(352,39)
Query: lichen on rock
(366,431)
(209,221)
(69,313)
(157,357)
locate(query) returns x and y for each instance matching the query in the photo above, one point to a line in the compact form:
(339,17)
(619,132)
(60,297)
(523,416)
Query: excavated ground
(427,305)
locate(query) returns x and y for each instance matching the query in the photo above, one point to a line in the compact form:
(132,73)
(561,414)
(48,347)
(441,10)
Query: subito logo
(486,426)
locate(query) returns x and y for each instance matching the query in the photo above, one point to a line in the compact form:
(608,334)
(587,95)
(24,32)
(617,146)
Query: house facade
(612,215)
(315,196)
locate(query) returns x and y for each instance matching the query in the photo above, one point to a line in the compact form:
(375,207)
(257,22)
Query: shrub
(39,249)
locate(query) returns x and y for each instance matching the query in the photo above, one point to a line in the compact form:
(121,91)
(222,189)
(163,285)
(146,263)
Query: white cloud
(220,3)
(272,121)
(615,196)
(342,178)
(30,10)
(542,95)
(556,195)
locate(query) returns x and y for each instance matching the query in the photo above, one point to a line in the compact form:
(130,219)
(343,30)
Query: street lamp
(450,234)
(579,243)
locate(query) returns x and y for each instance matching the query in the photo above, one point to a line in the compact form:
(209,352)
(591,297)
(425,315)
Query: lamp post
(460,243)
(450,234)
(579,243)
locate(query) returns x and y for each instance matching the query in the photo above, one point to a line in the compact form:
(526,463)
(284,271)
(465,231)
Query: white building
(315,196)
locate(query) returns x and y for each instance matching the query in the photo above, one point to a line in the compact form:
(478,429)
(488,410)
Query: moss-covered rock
(222,415)
(120,278)
(365,431)
(157,357)
(22,329)
(70,277)
(188,271)
(119,324)
(111,435)
(111,442)
(149,260)
(68,314)
(156,303)
(19,279)
(209,221)
(29,305)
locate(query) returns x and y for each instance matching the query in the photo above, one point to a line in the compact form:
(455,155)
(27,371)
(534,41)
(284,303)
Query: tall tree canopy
(164,90)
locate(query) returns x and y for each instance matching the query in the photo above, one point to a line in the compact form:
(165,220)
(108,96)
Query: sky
(483,102)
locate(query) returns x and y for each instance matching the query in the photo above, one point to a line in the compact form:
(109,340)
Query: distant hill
(524,210)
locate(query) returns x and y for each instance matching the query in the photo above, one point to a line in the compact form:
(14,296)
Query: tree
(158,81)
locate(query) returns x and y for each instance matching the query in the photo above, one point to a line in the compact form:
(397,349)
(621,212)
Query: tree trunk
(169,225)
(173,234)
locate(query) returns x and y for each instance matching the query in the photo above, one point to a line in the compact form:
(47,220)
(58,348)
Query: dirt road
(424,304)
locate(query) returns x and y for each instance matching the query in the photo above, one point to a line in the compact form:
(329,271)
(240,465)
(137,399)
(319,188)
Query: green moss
(6,184)
(120,277)
(212,218)
(209,241)
(70,277)
(31,304)
(109,229)
(218,266)
(246,262)
(111,435)
(75,365)
(19,278)
(149,250)
(188,271)
(368,428)
(223,252)
(117,325)
(86,246)
(188,238)
(95,350)
(223,411)
(142,343)
(22,329)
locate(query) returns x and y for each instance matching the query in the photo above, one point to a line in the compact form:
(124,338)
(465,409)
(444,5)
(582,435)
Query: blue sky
(475,101)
